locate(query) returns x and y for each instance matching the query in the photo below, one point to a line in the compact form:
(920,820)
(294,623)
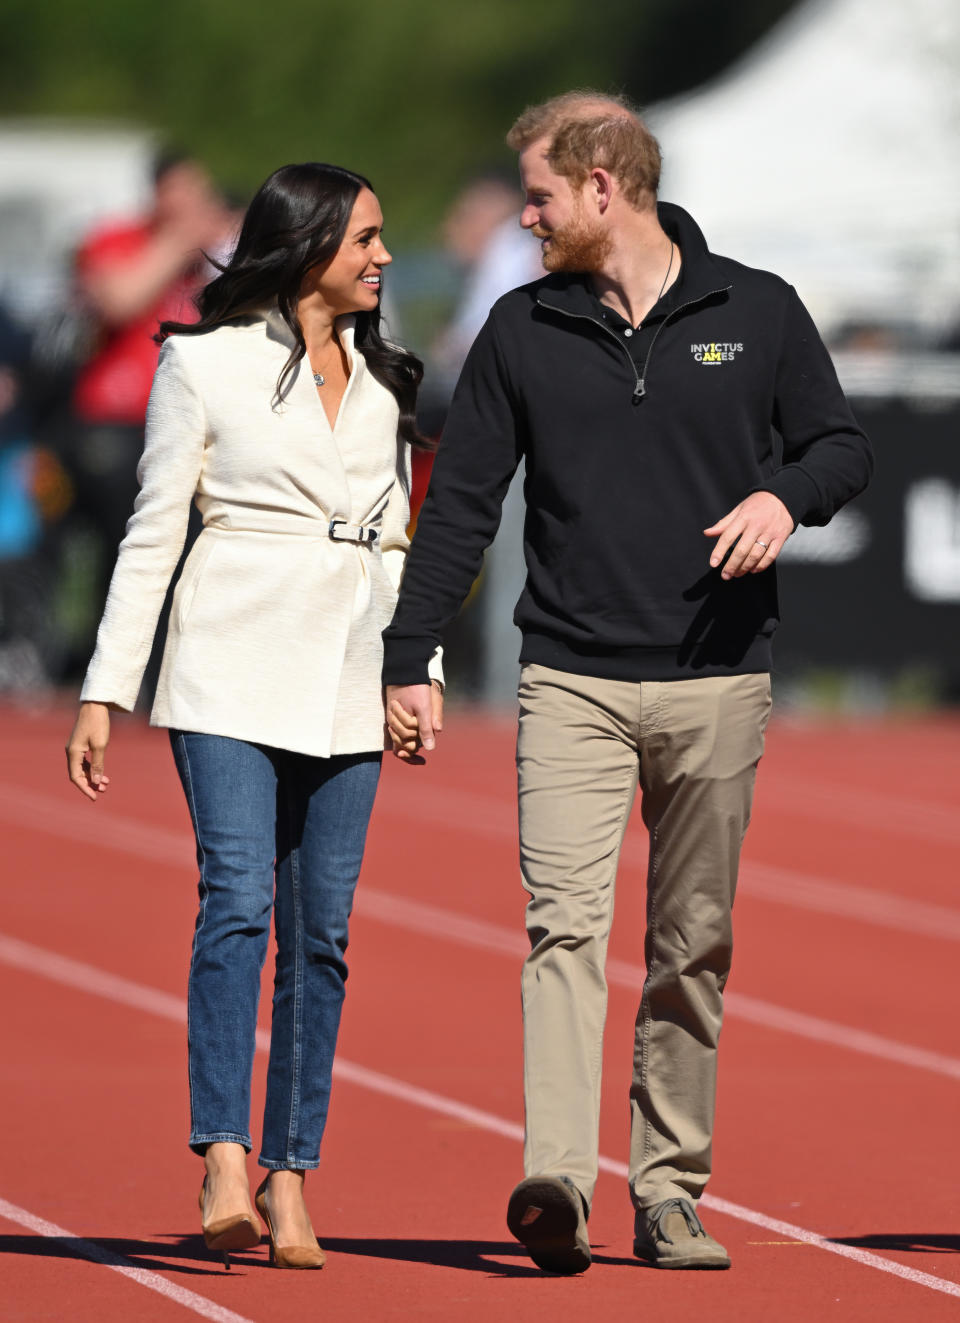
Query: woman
(288,419)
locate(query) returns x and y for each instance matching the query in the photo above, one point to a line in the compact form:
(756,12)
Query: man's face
(556,212)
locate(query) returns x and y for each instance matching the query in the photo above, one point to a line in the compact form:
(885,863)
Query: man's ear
(601,188)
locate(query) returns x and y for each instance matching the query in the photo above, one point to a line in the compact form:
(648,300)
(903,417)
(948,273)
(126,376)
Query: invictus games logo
(720,351)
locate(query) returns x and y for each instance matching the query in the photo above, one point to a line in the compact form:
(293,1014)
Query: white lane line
(89,1249)
(862,808)
(434,1102)
(86,978)
(786,1021)
(844,803)
(432,921)
(487,816)
(83,823)
(784,886)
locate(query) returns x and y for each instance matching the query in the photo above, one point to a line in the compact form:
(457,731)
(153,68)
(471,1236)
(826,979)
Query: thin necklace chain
(318,378)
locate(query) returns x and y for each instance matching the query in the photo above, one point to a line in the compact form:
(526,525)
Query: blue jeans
(284,833)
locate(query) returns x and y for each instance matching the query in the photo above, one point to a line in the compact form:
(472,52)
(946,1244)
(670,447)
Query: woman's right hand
(86,748)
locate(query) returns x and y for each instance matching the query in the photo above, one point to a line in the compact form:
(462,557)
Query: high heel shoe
(227,1234)
(287,1256)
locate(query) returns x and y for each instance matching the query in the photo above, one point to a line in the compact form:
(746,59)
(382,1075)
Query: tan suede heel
(240,1232)
(289,1256)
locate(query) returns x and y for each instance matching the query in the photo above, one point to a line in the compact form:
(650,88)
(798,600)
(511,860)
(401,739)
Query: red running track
(836,1155)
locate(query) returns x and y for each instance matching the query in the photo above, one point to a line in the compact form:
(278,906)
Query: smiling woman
(270,684)
(311,245)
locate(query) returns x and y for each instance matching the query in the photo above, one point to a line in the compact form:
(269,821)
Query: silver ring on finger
(760,543)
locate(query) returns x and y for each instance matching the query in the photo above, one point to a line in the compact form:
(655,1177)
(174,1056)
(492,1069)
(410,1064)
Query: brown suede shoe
(670,1235)
(547,1214)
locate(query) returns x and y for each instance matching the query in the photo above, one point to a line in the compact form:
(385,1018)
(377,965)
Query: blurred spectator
(482,232)
(856,337)
(31,489)
(130,276)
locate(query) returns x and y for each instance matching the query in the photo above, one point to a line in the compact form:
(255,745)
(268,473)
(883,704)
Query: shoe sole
(243,1234)
(550,1236)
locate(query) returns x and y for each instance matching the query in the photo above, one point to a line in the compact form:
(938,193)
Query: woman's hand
(86,748)
(414,718)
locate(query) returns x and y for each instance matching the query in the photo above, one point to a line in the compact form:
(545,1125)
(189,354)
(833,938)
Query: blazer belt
(341,531)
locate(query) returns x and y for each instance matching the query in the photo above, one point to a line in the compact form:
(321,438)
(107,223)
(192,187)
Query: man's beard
(575,247)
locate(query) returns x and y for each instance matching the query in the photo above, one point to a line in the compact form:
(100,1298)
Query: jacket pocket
(193,570)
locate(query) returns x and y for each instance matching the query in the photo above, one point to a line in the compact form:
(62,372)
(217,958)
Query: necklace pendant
(319,378)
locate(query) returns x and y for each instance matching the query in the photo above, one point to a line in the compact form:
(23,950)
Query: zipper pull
(639,390)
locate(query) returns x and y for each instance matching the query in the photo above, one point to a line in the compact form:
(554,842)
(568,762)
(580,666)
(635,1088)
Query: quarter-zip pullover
(635,440)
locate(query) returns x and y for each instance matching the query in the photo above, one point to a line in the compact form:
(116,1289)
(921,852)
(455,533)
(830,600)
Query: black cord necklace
(666,277)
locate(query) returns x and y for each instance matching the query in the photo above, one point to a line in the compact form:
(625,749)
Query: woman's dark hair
(297,220)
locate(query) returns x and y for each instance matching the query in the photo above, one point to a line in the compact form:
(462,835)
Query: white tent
(57,179)
(830,155)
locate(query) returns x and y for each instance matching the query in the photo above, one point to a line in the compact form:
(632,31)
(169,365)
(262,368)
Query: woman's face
(351,280)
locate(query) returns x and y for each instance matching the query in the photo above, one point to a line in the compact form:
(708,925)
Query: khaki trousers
(584,745)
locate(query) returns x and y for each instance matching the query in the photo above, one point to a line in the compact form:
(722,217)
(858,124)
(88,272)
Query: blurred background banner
(817,138)
(871,603)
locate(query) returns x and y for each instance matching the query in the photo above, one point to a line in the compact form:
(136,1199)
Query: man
(642,381)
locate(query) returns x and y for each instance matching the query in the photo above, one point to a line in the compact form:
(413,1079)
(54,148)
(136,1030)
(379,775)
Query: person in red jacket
(130,276)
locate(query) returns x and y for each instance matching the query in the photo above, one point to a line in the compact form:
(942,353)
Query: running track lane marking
(87,978)
(444,925)
(160,843)
(870,809)
(89,1249)
(487,816)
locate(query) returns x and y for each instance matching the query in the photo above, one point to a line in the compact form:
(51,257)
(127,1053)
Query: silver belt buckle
(366,535)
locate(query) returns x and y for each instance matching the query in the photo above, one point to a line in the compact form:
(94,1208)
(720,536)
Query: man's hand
(414,715)
(753,533)
(86,748)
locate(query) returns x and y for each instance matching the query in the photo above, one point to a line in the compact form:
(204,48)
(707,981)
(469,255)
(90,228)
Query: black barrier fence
(878,589)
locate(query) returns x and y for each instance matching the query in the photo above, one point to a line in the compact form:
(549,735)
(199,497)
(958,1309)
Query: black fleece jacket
(634,443)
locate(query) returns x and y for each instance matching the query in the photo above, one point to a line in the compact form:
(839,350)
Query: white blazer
(274,634)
